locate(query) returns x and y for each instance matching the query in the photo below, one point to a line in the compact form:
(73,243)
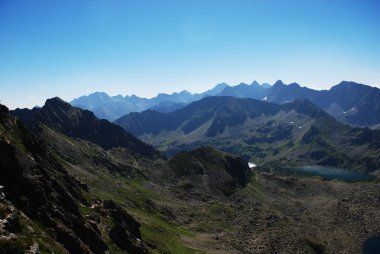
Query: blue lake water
(372,245)
(330,173)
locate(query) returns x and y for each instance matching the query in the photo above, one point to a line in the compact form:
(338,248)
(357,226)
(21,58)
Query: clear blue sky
(69,48)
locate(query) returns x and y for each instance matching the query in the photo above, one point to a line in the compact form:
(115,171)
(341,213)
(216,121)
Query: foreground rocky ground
(277,214)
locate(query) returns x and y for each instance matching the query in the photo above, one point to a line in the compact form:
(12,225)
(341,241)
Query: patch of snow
(299,127)
(251,165)
(265,98)
(291,122)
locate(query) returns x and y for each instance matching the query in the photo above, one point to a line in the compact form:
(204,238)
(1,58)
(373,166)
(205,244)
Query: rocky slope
(52,197)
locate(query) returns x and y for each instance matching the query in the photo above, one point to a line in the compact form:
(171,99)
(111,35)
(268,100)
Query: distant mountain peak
(57,102)
(345,82)
(223,84)
(216,90)
(278,83)
(266,85)
(294,84)
(55,99)
(185,92)
(255,83)
(99,95)
(351,84)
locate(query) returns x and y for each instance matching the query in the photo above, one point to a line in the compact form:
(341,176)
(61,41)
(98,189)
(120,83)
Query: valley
(294,134)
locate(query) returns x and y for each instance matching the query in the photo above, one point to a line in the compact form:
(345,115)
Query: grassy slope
(158,231)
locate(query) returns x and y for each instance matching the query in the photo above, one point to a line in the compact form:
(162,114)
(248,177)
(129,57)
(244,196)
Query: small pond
(329,173)
(372,245)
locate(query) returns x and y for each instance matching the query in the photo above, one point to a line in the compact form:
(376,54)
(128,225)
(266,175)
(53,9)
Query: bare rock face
(211,171)
(12,222)
(126,241)
(126,231)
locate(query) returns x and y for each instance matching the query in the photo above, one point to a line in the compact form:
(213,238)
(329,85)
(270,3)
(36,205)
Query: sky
(69,48)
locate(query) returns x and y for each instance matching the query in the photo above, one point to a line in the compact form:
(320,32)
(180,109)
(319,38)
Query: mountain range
(113,107)
(349,102)
(294,133)
(71,183)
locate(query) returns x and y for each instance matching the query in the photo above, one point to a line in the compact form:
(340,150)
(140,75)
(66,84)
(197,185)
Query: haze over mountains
(349,102)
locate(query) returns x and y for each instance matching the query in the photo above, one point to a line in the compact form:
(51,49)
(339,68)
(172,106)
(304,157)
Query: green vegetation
(156,230)
(164,236)
(215,217)
(14,136)
(12,247)
(255,190)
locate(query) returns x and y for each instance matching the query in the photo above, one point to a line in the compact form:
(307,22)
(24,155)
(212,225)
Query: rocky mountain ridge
(83,124)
